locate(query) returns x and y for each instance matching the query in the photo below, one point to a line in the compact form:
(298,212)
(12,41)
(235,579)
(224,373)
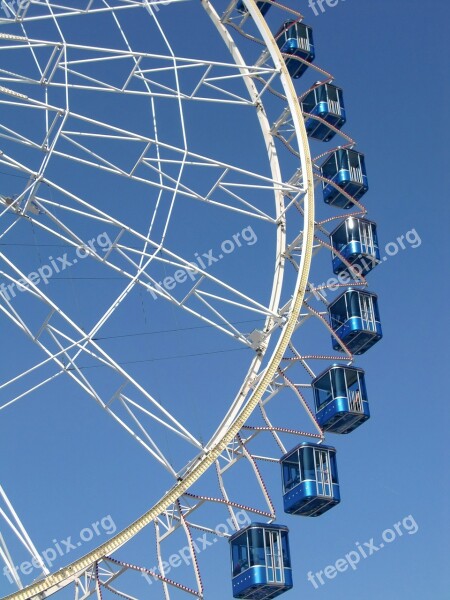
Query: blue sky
(76,468)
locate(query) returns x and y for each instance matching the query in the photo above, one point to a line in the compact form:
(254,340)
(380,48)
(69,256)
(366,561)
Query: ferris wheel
(159,244)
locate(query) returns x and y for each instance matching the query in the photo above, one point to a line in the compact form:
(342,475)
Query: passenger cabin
(325,101)
(296,39)
(356,240)
(340,398)
(310,479)
(261,4)
(355,319)
(347,170)
(261,561)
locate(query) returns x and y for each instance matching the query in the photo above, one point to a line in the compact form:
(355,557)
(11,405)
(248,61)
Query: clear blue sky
(389,57)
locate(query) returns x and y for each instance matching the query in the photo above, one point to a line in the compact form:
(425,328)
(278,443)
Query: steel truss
(278,368)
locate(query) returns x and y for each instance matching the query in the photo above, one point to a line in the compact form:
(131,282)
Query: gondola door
(323,472)
(355,168)
(334,105)
(353,387)
(367,312)
(274,557)
(366,236)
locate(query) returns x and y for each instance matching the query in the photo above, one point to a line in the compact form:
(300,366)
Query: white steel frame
(267,375)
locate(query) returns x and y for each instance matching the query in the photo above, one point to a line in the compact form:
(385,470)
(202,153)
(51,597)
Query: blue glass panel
(334,473)
(256,542)
(291,473)
(339,385)
(307,463)
(239,554)
(285,550)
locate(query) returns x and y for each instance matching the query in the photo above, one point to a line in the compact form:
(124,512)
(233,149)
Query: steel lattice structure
(52,136)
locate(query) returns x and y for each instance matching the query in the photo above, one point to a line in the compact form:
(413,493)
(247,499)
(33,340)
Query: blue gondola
(261,561)
(310,479)
(357,241)
(354,317)
(325,101)
(296,39)
(261,4)
(347,169)
(340,397)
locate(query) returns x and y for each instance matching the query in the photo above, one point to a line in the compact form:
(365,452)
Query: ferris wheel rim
(56,581)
